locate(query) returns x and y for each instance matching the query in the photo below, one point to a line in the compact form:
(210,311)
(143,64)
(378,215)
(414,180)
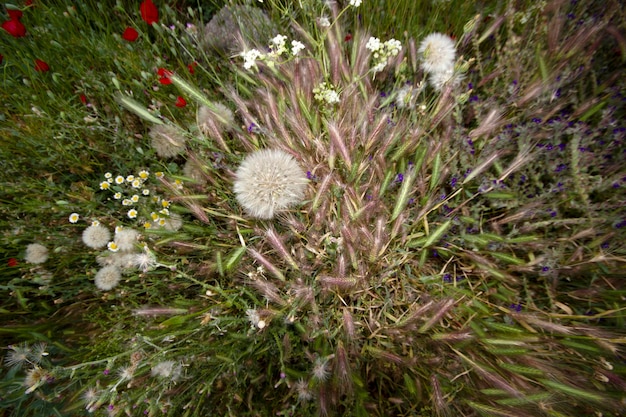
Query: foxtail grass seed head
(108,277)
(96,236)
(269,181)
(438,53)
(167,141)
(36,253)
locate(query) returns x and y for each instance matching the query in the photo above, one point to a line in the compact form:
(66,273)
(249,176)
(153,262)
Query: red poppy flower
(15,28)
(15,14)
(348,37)
(164,76)
(192,67)
(180,102)
(1,58)
(28,3)
(149,12)
(12,262)
(83,99)
(130,34)
(41,66)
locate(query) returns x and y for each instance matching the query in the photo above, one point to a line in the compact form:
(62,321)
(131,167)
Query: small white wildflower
(324,22)
(373,44)
(355,3)
(108,175)
(132,214)
(296,47)
(326,93)
(250,57)
(277,45)
(119,180)
(36,253)
(108,277)
(112,246)
(74,217)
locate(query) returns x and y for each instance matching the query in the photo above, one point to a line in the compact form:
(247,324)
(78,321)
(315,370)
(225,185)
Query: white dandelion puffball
(126,239)
(108,277)
(167,141)
(36,253)
(268,181)
(96,236)
(438,53)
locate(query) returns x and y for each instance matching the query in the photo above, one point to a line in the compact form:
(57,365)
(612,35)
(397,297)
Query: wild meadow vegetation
(294,208)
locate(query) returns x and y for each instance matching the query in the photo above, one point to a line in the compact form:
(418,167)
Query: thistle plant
(313,247)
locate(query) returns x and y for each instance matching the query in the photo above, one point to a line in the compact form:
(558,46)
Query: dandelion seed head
(126,239)
(96,236)
(108,277)
(36,253)
(268,181)
(167,141)
(438,53)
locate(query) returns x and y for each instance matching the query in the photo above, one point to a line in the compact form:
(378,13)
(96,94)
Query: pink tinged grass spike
(337,140)
(341,283)
(348,324)
(442,309)
(482,166)
(267,264)
(276,242)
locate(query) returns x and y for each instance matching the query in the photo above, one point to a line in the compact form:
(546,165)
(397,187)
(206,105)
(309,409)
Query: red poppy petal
(15,14)
(149,12)
(12,262)
(130,34)
(41,66)
(180,102)
(15,28)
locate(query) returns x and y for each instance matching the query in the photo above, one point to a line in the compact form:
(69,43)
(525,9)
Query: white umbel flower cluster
(268,181)
(382,51)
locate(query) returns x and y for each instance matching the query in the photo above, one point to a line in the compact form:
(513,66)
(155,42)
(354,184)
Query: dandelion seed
(35,378)
(36,253)
(320,369)
(268,181)
(17,356)
(108,277)
(96,236)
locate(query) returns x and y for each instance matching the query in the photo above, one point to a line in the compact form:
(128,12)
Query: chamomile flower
(134,198)
(119,180)
(132,214)
(117,195)
(104,185)
(108,175)
(144,174)
(113,247)
(145,191)
(74,217)
(136,183)
(130,178)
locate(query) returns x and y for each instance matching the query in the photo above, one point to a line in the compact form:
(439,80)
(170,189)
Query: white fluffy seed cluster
(167,141)
(36,253)
(438,56)
(96,236)
(108,277)
(268,181)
